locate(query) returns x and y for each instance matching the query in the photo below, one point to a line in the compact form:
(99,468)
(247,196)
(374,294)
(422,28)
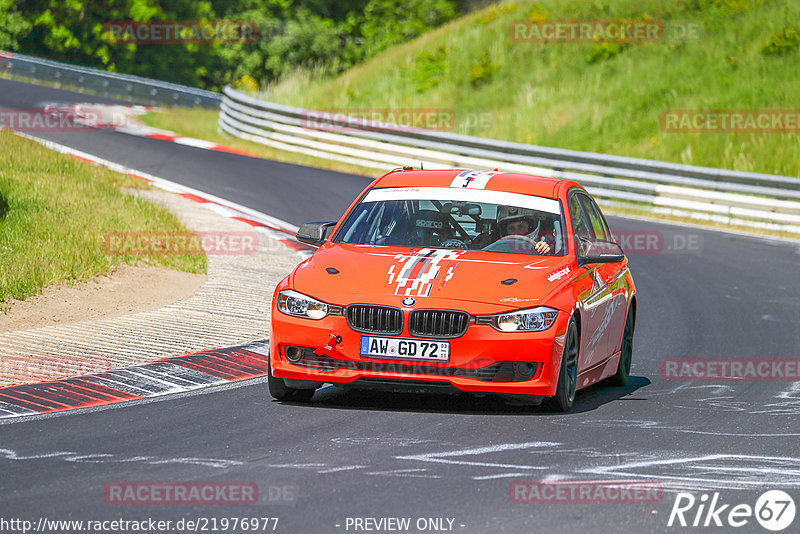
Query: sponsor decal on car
(558,275)
(459,192)
(473,179)
(419,272)
(430,224)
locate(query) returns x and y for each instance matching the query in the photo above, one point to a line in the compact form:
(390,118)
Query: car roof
(526,184)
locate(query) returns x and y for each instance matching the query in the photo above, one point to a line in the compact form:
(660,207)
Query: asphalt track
(356,454)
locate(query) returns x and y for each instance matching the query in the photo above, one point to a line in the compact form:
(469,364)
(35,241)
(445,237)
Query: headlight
(530,320)
(299,305)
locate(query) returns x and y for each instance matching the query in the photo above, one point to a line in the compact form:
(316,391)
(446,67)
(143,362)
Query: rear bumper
(482,360)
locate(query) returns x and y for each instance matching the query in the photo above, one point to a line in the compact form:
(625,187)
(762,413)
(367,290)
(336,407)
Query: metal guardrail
(109,84)
(728,197)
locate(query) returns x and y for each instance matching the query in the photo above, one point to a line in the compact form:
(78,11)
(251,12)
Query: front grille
(438,323)
(375,319)
(403,386)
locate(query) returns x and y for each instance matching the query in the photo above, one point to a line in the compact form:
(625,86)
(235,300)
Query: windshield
(453,218)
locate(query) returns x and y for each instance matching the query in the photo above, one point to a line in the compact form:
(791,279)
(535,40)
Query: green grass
(54,212)
(591,96)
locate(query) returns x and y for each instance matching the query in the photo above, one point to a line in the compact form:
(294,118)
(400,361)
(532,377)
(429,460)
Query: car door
(610,277)
(588,291)
(595,299)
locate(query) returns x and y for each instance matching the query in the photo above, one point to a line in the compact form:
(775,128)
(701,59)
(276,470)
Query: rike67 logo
(774,510)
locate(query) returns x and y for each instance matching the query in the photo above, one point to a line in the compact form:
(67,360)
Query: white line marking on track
(102,458)
(446,457)
(745,471)
(338,469)
(410,473)
(502,475)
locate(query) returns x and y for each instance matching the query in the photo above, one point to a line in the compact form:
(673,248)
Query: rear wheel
(626,352)
(280,391)
(568,375)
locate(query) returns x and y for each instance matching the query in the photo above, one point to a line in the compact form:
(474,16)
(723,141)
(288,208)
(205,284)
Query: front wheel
(280,391)
(626,352)
(564,398)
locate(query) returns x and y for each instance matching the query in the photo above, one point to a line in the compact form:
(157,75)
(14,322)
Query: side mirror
(601,252)
(314,233)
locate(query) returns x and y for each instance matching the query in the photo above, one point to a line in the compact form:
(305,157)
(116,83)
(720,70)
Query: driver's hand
(542,247)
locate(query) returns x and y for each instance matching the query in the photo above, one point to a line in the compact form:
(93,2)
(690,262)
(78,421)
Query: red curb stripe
(39,396)
(76,393)
(149,181)
(22,403)
(162,137)
(195,198)
(99,390)
(195,366)
(225,365)
(26,400)
(231,364)
(253,359)
(257,224)
(67,394)
(294,245)
(94,393)
(214,370)
(55,395)
(229,150)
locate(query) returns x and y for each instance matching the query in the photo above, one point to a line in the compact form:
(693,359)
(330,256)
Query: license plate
(405,349)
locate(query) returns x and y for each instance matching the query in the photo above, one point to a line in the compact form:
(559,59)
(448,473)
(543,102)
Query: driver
(512,220)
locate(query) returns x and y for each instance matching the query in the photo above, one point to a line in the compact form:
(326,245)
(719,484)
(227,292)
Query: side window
(580,227)
(579,223)
(595,220)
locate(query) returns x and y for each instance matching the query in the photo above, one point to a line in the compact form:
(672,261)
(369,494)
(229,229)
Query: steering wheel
(454,243)
(513,243)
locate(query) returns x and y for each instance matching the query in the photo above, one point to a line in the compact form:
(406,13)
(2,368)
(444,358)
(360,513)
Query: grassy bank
(54,212)
(600,97)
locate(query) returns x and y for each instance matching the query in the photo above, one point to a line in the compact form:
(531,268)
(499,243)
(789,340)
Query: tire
(626,352)
(567,385)
(280,391)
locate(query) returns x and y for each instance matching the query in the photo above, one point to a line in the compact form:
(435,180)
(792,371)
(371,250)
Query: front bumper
(482,360)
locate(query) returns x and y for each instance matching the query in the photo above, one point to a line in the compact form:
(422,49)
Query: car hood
(344,274)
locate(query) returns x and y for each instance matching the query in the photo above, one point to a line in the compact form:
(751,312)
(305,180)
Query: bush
(483,70)
(781,43)
(605,50)
(429,69)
